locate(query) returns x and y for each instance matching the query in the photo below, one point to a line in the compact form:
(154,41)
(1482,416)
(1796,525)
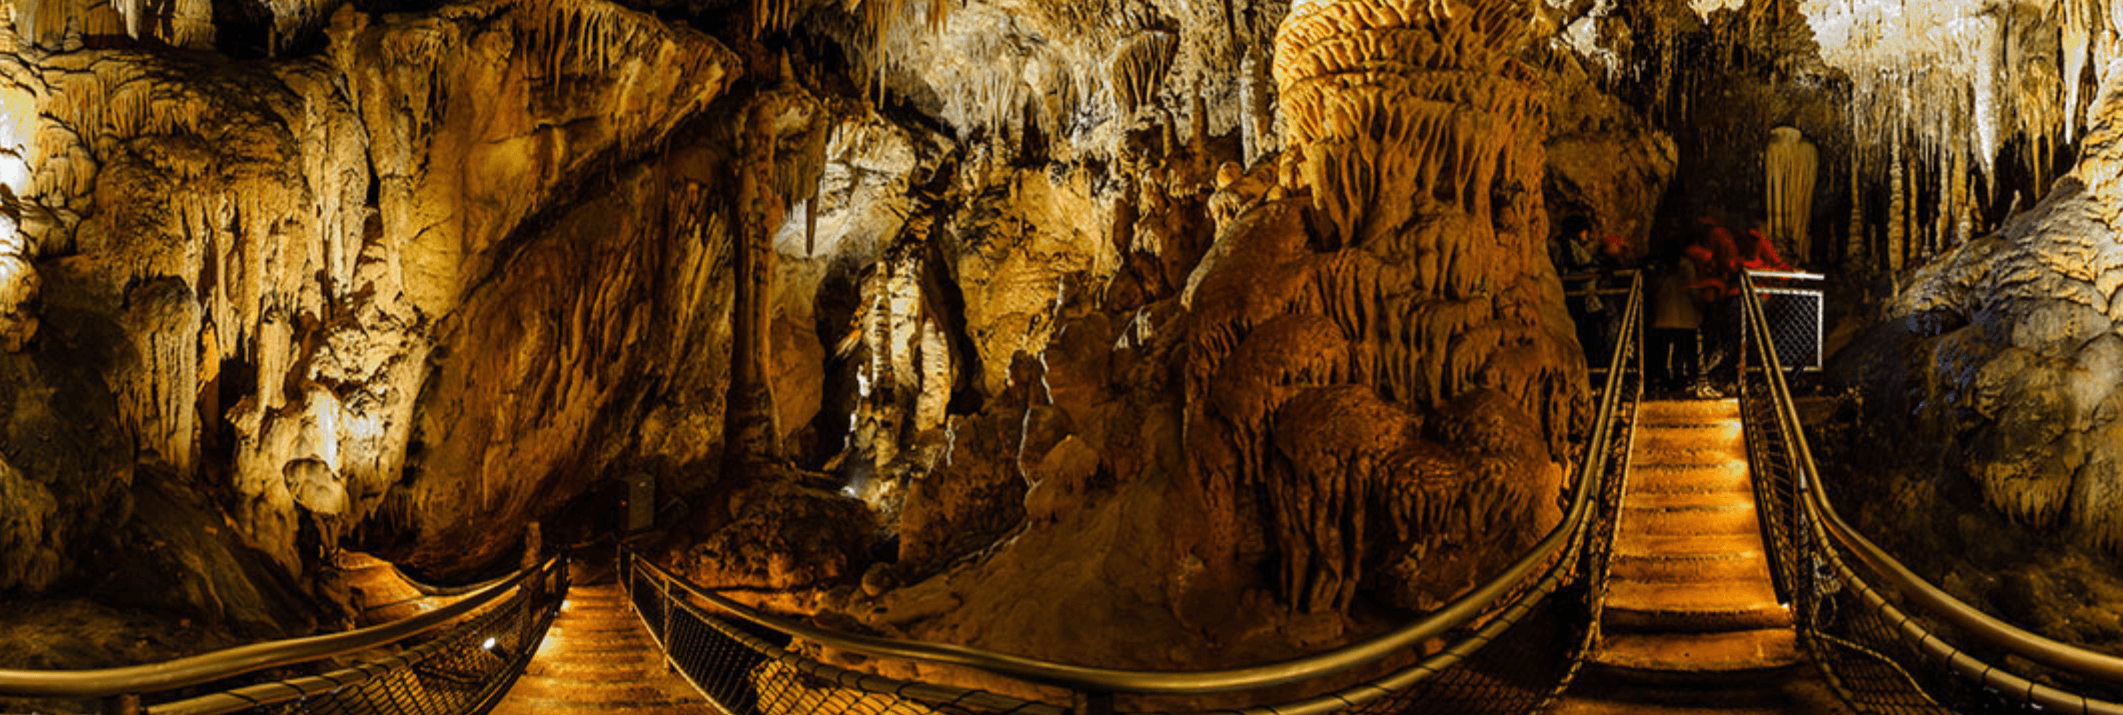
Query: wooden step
(549,705)
(573,627)
(1786,691)
(1711,437)
(1701,545)
(1658,410)
(1671,499)
(1730,479)
(645,663)
(1692,607)
(1728,653)
(1728,518)
(1687,568)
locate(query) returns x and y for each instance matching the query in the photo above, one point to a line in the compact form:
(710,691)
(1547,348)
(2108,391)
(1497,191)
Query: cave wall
(2004,352)
(1344,395)
(1078,314)
(275,280)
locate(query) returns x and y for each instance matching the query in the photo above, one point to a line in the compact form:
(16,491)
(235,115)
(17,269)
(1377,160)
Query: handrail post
(126,704)
(665,625)
(1089,702)
(533,542)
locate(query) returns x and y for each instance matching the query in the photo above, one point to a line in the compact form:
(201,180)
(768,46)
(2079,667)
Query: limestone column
(773,166)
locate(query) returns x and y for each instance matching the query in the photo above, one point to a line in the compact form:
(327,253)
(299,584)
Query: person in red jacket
(1756,253)
(1724,255)
(1704,283)
(1720,283)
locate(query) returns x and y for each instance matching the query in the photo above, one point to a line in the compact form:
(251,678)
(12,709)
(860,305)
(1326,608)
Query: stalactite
(1964,208)
(1257,107)
(1897,211)
(2074,35)
(1137,70)
(1855,252)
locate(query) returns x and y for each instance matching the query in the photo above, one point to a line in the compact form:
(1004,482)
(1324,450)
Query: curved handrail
(1920,593)
(232,662)
(1566,537)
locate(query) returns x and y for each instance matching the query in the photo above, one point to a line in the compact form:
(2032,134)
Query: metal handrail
(1565,540)
(552,574)
(100,683)
(1930,601)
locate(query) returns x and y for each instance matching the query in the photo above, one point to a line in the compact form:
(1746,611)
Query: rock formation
(281,277)
(1424,282)
(1792,164)
(2004,351)
(1231,323)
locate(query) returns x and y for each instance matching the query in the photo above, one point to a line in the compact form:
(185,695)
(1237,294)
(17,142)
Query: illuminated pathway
(1690,614)
(596,657)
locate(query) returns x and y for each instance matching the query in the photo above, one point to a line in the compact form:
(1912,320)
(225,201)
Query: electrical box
(641,502)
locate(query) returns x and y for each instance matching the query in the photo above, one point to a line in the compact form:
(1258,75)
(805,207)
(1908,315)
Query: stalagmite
(1412,131)
(1256,108)
(1792,164)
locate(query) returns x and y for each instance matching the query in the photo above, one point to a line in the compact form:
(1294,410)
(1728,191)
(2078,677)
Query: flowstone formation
(1792,164)
(2005,351)
(1331,334)
(1356,396)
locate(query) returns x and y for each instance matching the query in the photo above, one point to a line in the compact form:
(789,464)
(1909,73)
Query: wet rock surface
(972,325)
(2002,353)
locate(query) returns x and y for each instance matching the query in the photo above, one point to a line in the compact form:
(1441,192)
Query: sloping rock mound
(2005,351)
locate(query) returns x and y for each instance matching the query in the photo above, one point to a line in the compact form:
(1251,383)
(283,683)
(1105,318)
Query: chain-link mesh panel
(1858,639)
(1794,317)
(1859,658)
(462,671)
(746,670)
(1514,665)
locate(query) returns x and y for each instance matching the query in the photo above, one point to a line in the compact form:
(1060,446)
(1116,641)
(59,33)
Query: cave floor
(1691,623)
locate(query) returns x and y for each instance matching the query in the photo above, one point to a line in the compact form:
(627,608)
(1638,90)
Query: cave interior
(1139,334)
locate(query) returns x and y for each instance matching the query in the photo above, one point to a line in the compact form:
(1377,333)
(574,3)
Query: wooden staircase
(597,657)
(1691,623)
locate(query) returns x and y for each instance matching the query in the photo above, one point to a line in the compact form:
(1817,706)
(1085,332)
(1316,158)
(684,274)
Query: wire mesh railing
(1510,646)
(1885,639)
(458,659)
(1793,313)
(1598,305)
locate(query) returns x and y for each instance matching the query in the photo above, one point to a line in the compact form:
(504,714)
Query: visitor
(1757,253)
(1724,253)
(1721,282)
(1578,250)
(1676,314)
(1706,286)
(1578,261)
(1616,254)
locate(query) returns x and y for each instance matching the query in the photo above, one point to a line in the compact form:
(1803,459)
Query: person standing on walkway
(1676,314)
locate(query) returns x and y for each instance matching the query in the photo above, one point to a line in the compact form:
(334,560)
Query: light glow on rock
(1703,8)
